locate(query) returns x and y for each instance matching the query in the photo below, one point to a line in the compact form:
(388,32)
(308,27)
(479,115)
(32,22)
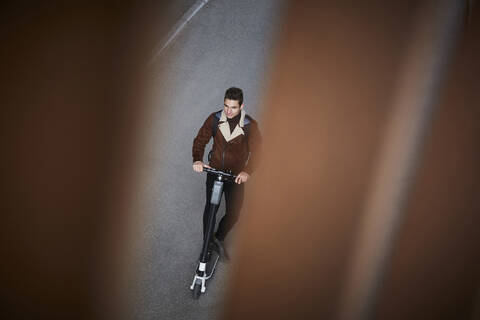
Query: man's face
(232,108)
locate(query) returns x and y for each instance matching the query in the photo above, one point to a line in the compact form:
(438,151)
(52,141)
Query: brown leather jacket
(230,151)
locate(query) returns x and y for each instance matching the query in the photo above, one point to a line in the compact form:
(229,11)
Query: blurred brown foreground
(368,204)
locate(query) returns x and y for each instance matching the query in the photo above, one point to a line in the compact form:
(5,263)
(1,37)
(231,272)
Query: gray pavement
(227,43)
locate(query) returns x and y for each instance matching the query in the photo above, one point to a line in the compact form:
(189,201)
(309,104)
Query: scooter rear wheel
(196,291)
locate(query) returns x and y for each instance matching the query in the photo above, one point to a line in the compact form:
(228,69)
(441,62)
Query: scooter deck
(200,277)
(211,264)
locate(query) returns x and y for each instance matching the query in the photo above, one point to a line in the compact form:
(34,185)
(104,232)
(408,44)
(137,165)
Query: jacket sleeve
(202,138)
(255,147)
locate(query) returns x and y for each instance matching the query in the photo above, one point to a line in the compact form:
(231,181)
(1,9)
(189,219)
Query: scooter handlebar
(219,172)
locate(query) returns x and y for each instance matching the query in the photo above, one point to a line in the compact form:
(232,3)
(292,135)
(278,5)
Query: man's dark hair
(234,94)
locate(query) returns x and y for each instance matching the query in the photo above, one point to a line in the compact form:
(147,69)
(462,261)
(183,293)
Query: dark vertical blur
(435,269)
(339,69)
(70,104)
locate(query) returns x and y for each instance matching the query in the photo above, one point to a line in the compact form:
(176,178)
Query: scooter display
(207,262)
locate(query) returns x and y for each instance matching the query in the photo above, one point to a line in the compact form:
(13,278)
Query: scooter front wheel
(196,291)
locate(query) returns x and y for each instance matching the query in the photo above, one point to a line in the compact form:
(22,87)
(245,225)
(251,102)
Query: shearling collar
(225,127)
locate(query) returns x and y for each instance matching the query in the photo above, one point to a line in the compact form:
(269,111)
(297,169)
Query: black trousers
(233,204)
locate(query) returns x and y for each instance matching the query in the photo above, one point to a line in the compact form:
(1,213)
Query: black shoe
(221,249)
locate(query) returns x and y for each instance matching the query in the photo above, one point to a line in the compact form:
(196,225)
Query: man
(236,143)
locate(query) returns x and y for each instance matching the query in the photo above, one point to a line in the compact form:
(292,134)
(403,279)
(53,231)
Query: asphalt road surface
(226,43)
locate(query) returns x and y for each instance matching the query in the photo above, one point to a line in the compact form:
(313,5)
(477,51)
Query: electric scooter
(208,262)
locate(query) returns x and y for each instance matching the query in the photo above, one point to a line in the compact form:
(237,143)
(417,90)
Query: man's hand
(198,166)
(242,177)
